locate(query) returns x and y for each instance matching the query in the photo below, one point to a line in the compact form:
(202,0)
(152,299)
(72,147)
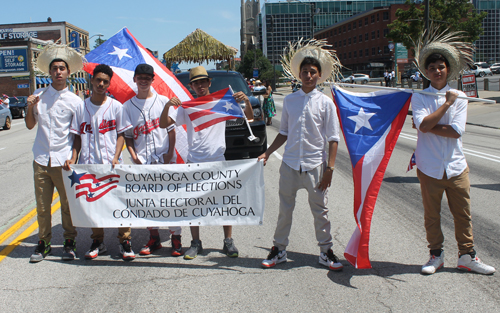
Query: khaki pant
(124,233)
(458,194)
(46,178)
(290,182)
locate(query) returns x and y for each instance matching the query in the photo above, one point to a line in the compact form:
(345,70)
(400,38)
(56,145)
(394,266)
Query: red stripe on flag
(212,122)
(197,114)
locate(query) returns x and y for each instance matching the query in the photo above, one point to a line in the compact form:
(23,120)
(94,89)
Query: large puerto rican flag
(209,110)
(371,123)
(123,52)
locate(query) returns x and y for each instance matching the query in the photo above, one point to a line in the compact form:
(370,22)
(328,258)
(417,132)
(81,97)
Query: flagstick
(413,91)
(251,137)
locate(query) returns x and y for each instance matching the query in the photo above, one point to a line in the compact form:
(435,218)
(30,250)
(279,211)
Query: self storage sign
(469,86)
(13,60)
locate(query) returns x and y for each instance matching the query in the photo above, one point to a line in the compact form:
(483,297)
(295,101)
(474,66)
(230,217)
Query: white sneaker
(275,257)
(434,263)
(126,250)
(330,260)
(95,249)
(469,264)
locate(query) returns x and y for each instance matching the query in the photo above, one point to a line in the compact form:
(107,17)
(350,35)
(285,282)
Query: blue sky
(158,25)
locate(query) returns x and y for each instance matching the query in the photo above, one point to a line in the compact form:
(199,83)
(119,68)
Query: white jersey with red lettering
(98,127)
(141,118)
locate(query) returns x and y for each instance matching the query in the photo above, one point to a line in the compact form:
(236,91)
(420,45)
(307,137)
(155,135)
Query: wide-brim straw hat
(317,49)
(458,53)
(54,51)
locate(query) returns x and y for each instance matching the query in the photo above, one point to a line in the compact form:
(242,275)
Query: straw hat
(459,54)
(197,73)
(54,51)
(296,52)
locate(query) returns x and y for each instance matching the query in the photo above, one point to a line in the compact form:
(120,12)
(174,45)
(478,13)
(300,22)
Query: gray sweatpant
(290,182)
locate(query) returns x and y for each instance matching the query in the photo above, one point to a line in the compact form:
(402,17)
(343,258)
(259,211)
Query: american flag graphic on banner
(91,187)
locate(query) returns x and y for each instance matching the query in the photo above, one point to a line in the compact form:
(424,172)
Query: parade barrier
(197,194)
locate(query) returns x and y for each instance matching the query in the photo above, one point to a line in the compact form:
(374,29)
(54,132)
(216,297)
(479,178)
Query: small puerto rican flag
(412,162)
(209,110)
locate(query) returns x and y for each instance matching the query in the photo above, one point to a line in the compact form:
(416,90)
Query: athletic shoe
(330,260)
(69,253)
(153,244)
(175,240)
(193,251)
(469,263)
(126,250)
(41,251)
(275,257)
(434,263)
(96,248)
(229,248)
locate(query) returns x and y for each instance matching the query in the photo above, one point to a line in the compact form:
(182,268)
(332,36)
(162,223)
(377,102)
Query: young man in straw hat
(53,108)
(440,159)
(96,125)
(308,121)
(151,144)
(206,145)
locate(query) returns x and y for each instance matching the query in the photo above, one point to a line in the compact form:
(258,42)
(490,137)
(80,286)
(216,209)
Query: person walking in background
(268,106)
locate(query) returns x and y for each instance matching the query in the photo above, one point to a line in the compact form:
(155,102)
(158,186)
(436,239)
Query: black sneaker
(275,257)
(229,248)
(41,251)
(176,245)
(195,249)
(126,250)
(69,253)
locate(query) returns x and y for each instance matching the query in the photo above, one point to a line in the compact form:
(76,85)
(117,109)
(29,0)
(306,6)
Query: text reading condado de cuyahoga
(173,182)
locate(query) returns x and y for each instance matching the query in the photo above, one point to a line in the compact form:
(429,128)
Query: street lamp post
(98,35)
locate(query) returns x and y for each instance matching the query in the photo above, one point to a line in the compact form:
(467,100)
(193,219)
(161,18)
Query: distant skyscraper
(488,45)
(249,32)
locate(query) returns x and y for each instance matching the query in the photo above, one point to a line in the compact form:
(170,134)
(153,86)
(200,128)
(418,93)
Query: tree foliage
(457,15)
(99,42)
(256,59)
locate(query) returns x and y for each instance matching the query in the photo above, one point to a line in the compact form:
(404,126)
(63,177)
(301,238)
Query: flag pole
(413,91)
(251,137)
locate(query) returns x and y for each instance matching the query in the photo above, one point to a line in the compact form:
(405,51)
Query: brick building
(19,45)
(361,42)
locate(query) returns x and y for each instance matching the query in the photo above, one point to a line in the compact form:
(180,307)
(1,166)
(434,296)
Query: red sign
(469,86)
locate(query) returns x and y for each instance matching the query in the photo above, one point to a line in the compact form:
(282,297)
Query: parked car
(18,106)
(5,117)
(495,68)
(480,69)
(357,78)
(237,142)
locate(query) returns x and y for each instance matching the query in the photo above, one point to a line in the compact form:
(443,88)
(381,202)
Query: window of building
(366,36)
(354,25)
(366,21)
(345,42)
(385,16)
(373,34)
(378,17)
(386,32)
(349,41)
(366,52)
(355,54)
(335,45)
(378,33)
(354,39)
(349,54)
(343,29)
(335,32)
(379,51)
(348,27)
(360,23)
(340,43)
(360,38)
(360,53)
(386,50)
(373,19)
(344,55)
(373,51)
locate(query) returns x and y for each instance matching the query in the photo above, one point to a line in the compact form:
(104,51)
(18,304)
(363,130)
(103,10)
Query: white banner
(197,194)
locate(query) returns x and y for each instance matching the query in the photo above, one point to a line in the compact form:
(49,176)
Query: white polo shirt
(309,121)
(141,121)
(54,113)
(436,154)
(98,126)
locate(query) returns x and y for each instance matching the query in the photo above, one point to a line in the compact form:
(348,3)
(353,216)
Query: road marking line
(2,148)
(467,151)
(19,239)
(14,228)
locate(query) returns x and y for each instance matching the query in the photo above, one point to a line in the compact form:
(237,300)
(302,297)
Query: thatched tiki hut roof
(199,47)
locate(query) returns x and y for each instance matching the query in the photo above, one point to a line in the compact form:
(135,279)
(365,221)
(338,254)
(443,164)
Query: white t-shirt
(206,145)
(141,120)
(5,102)
(97,126)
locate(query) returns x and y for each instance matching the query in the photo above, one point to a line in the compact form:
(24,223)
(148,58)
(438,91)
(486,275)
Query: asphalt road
(213,282)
